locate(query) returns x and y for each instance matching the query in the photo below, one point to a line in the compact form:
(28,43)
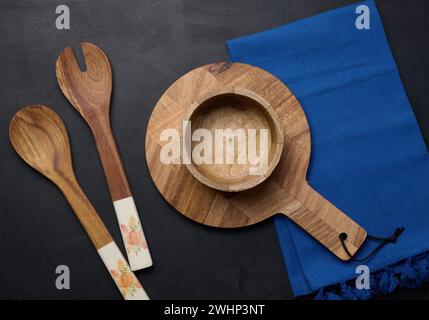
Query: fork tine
(67,60)
(66,66)
(95,59)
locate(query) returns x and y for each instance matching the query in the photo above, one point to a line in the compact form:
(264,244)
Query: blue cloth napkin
(368,155)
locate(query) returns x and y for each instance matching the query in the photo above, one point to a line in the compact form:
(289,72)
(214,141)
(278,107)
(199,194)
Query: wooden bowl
(286,191)
(234,108)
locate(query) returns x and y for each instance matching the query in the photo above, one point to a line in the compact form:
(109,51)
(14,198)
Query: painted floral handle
(125,279)
(132,234)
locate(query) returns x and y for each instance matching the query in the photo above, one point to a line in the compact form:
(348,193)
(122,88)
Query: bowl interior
(243,128)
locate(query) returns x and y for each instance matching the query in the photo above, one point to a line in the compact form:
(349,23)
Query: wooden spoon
(40,138)
(89,92)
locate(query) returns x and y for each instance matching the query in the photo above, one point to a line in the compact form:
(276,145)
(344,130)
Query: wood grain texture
(234,109)
(89,92)
(286,191)
(40,139)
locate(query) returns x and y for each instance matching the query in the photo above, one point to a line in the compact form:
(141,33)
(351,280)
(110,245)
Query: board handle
(326,223)
(126,212)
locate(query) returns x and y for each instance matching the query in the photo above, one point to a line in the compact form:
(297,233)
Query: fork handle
(131,229)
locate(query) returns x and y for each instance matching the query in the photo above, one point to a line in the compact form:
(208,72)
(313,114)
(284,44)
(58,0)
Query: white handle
(125,279)
(132,234)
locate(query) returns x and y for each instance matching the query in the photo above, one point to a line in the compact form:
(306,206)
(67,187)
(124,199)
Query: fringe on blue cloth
(409,273)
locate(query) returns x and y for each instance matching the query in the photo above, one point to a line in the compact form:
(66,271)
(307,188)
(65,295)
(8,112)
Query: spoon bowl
(40,139)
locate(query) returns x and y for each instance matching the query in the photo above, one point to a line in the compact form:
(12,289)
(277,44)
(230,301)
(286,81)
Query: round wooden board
(285,191)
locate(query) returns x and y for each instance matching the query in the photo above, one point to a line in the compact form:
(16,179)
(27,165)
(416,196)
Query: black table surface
(150,44)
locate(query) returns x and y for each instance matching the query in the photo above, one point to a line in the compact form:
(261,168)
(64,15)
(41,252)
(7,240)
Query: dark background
(150,44)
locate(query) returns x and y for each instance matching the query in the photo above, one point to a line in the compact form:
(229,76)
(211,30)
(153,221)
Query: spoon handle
(128,218)
(124,278)
(325,222)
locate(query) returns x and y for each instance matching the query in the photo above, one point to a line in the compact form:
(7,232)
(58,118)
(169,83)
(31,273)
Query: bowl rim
(242,186)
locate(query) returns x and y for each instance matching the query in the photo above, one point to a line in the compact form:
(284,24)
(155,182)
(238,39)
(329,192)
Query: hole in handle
(384,241)
(343,236)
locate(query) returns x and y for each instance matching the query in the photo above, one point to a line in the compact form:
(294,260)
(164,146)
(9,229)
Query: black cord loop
(384,241)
